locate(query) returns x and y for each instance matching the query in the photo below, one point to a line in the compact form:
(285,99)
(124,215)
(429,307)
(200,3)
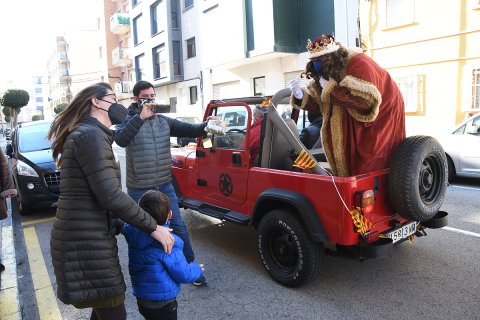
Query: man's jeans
(176,223)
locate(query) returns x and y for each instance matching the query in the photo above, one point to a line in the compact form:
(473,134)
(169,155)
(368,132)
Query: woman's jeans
(176,223)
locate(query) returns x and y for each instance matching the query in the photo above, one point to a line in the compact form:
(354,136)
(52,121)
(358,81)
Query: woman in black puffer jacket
(83,244)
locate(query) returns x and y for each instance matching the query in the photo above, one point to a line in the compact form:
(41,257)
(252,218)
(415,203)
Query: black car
(34,172)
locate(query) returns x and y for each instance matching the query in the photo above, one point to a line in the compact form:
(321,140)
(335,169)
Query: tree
(60,107)
(37,117)
(6,113)
(15,99)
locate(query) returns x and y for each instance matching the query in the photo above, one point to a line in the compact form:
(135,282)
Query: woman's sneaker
(200,282)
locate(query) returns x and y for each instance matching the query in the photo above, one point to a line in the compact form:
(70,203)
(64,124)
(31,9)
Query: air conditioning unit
(126,87)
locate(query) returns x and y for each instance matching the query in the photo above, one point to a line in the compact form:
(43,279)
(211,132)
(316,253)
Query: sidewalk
(9,308)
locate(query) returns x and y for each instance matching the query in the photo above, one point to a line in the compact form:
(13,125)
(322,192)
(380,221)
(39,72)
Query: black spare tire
(418,178)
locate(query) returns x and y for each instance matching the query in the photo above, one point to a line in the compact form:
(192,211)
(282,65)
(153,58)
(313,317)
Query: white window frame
(399,13)
(412,87)
(475,82)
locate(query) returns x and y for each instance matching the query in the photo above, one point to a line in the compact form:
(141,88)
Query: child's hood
(137,238)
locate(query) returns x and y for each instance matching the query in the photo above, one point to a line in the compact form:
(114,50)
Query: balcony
(120,57)
(120,23)
(123,89)
(64,76)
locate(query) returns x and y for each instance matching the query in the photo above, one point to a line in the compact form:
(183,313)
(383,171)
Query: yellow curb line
(46,299)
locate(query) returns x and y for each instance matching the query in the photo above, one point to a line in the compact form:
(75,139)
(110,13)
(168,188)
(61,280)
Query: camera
(158,108)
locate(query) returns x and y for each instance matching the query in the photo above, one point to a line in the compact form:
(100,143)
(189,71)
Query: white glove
(323,82)
(296,89)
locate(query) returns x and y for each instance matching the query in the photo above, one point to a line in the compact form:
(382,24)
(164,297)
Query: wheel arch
(278,198)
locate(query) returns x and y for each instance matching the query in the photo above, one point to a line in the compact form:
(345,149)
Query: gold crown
(322,45)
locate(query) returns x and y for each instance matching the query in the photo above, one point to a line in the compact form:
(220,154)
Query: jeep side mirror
(9,150)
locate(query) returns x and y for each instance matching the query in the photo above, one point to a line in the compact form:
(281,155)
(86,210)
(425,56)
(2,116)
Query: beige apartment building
(432,50)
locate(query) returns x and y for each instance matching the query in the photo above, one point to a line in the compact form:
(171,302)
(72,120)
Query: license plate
(402,232)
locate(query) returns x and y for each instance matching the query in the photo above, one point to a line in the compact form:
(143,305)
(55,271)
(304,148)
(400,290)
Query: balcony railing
(120,23)
(120,57)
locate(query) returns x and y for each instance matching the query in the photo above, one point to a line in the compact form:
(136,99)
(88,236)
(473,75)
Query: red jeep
(300,214)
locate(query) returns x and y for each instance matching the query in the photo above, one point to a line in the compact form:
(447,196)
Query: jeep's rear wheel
(287,253)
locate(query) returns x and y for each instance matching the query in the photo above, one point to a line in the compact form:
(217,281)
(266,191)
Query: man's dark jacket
(83,245)
(147,146)
(310,135)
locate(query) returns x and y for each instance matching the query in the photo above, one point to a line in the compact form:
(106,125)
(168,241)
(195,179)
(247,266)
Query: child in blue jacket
(156,275)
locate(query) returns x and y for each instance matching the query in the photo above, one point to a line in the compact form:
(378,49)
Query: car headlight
(25,170)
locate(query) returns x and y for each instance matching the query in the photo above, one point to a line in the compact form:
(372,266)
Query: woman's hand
(162,235)
(8,193)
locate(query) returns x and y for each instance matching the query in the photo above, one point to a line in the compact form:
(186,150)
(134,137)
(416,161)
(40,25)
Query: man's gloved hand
(323,82)
(296,89)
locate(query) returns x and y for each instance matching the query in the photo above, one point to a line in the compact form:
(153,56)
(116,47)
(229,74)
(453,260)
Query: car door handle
(236,159)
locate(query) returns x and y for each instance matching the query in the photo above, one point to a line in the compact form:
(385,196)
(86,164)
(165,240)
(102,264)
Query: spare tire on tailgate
(418,178)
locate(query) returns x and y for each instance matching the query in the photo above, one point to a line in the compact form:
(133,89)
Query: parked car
(35,174)
(462,147)
(8,133)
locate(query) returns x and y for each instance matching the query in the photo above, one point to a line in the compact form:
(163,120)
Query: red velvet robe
(363,117)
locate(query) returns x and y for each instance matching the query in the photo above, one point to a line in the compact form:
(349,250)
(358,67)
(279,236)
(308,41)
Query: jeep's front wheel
(287,253)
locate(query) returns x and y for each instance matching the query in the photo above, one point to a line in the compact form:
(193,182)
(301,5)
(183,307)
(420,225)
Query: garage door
(294,74)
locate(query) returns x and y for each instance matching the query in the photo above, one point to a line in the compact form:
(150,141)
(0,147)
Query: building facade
(434,58)
(195,51)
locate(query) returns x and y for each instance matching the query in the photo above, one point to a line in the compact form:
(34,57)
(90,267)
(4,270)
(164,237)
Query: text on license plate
(402,232)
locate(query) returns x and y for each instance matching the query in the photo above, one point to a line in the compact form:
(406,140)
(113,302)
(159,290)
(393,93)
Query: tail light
(364,201)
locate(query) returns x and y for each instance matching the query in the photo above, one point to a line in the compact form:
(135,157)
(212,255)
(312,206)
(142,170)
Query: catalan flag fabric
(362,225)
(304,161)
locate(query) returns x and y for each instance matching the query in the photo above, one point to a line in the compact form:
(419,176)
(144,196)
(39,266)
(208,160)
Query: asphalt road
(435,277)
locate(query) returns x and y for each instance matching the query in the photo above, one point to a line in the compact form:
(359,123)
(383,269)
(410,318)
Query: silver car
(462,147)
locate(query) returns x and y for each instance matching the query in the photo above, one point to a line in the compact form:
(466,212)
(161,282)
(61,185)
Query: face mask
(318,66)
(116,113)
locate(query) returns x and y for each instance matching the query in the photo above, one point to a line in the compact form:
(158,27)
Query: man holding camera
(146,137)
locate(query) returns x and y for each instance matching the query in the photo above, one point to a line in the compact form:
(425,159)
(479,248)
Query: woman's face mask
(116,113)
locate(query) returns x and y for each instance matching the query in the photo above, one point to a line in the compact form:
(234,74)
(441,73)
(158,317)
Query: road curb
(9,302)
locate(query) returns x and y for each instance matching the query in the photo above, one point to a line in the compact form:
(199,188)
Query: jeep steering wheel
(237,130)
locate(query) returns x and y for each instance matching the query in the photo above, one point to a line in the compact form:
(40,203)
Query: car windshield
(191,120)
(33,138)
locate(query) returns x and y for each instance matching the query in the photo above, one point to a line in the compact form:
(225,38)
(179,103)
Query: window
(138,31)
(258,86)
(156,17)
(413,92)
(399,13)
(476,89)
(173,104)
(193,95)
(159,62)
(174,13)
(139,67)
(191,52)
(188,4)
(38,99)
(177,58)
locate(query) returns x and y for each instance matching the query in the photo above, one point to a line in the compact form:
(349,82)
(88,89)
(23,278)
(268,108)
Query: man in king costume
(363,109)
